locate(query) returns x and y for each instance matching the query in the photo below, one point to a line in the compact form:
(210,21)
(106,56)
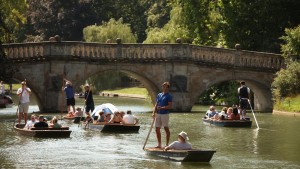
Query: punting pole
(253,114)
(149,131)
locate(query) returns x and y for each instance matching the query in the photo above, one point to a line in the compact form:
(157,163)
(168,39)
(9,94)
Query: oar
(149,131)
(253,114)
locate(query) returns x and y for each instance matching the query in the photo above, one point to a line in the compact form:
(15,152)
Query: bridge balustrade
(210,56)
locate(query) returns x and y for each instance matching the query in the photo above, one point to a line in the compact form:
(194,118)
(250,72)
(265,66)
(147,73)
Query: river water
(275,145)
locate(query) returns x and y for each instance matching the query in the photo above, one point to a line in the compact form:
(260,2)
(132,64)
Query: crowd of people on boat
(41,121)
(227,113)
(117,117)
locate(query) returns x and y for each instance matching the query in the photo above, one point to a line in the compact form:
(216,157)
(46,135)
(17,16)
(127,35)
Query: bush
(287,81)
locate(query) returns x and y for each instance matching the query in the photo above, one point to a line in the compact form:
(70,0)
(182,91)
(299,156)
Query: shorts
(162,120)
(24,107)
(243,104)
(89,108)
(71,102)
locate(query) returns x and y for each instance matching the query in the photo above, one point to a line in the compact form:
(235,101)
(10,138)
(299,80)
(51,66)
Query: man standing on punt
(244,95)
(161,113)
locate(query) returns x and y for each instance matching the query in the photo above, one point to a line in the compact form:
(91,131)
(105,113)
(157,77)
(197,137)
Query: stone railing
(25,52)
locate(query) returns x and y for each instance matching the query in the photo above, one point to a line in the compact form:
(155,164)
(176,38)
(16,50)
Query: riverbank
(286,113)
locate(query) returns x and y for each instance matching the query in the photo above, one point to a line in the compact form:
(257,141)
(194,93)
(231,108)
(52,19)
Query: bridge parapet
(95,52)
(237,58)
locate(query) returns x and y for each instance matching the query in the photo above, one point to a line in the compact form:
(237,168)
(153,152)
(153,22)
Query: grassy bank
(288,104)
(131,90)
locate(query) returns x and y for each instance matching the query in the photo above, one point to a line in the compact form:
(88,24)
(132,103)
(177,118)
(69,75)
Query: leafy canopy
(109,30)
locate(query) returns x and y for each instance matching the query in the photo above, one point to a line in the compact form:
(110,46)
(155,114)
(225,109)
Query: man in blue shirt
(69,95)
(161,113)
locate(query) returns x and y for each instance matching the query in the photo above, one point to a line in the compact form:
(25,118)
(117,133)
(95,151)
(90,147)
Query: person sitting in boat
(78,112)
(235,114)
(211,112)
(31,123)
(54,123)
(222,115)
(181,144)
(107,117)
(41,122)
(122,113)
(116,118)
(229,112)
(129,118)
(101,117)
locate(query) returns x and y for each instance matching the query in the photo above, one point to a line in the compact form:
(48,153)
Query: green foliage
(291,48)
(171,31)
(224,92)
(257,25)
(158,14)
(110,30)
(12,18)
(287,81)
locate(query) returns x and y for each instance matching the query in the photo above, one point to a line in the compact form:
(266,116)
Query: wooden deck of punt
(69,118)
(43,132)
(229,123)
(115,127)
(194,155)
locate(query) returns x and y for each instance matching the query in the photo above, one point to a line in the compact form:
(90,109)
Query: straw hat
(183,135)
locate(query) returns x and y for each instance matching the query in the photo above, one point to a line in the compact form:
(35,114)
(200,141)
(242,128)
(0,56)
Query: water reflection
(274,145)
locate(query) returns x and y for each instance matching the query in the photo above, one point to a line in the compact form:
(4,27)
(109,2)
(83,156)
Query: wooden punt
(114,127)
(43,132)
(194,155)
(228,123)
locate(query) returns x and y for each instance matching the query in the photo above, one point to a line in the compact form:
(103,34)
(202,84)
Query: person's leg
(25,110)
(167,135)
(25,118)
(158,125)
(19,117)
(158,136)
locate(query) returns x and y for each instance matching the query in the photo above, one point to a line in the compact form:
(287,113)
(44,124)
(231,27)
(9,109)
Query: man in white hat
(181,144)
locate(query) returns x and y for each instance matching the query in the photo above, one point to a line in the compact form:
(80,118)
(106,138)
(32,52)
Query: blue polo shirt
(69,92)
(163,100)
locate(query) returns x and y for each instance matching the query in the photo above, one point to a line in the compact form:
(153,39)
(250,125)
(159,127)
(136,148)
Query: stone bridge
(191,69)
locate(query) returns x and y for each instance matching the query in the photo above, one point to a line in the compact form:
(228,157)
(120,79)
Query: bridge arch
(259,86)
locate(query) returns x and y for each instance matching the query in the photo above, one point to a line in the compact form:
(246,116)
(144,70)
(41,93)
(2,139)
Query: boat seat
(49,128)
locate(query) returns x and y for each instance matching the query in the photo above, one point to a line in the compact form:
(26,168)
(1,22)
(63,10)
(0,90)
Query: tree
(11,19)
(171,31)
(287,81)
(64,18)
(258,24)
(291,48)
(110,30)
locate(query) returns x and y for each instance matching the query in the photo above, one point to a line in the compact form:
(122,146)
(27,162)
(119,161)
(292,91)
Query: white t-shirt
(25,95)
(129,119)
(180,146)
(29,124)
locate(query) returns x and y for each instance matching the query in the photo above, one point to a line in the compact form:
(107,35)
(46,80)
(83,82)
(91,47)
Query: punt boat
(43,132)
(194,155)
